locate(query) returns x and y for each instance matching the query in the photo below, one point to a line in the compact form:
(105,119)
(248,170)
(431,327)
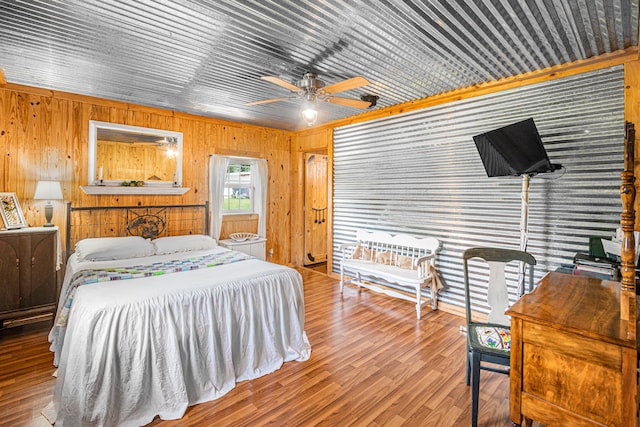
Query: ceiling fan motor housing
(309,82)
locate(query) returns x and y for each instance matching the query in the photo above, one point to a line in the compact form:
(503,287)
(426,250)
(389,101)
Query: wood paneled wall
(44,136)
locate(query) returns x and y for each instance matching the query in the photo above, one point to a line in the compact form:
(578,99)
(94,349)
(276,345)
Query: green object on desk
(595,247)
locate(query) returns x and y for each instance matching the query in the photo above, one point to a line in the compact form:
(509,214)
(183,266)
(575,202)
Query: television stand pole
(524,228)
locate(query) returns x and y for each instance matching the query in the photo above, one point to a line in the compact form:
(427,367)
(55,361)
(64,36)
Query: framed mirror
(123,157)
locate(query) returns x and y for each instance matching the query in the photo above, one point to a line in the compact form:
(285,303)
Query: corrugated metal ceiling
(205,57)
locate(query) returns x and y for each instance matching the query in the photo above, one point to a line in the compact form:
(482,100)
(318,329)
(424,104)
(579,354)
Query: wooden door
(316,209)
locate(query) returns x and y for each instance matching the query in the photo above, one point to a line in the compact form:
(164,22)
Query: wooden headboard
(149,222)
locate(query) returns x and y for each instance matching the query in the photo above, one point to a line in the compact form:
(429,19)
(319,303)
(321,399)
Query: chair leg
(467,376)
(341,278)
(475,387)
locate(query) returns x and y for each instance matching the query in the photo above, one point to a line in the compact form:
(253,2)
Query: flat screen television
(514,150)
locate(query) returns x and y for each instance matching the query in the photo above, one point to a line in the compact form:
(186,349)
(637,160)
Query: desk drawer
(578,374)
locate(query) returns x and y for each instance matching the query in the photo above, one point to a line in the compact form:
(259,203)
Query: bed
(146,327)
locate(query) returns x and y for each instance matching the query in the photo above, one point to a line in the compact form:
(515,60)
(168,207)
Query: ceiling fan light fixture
(311,89)
(309,113)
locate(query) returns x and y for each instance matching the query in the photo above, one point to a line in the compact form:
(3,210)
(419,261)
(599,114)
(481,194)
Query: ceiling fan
(311,88)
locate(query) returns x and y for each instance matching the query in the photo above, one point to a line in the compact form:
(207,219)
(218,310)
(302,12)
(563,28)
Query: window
(237,185)
(238,189)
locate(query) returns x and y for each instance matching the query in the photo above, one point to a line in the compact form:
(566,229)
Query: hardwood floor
(372,364)
(26,369)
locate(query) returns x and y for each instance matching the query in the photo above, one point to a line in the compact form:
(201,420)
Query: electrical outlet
(270,252)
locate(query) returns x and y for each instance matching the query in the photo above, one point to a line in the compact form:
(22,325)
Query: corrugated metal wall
(420,173)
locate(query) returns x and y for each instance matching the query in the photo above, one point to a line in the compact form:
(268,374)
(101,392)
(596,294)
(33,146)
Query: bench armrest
(347,249)
(423,270)
(425,258)
(344,246)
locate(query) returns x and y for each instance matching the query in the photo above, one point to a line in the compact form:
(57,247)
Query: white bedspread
(137,348)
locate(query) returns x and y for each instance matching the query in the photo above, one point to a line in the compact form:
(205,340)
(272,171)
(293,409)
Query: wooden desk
(572,361)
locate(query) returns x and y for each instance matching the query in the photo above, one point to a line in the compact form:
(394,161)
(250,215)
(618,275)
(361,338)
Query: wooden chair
(490,341)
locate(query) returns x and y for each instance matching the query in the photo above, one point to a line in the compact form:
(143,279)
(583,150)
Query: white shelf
(118,189)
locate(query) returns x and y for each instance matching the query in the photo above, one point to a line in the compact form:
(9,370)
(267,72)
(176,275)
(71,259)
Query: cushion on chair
(489,338)
(494,337)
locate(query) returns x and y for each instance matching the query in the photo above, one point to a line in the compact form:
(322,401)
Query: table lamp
(48,190)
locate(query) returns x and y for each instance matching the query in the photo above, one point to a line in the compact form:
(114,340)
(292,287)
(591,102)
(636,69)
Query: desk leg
(515,374)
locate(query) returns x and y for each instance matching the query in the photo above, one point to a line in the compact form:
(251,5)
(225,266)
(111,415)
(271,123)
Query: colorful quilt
(87,277)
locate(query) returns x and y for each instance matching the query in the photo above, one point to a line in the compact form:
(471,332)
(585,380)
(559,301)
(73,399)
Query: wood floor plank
(372,363)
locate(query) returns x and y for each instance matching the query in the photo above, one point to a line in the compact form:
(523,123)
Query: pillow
(357,253)
(404,262)
(107,248)
(383,257)
(189,242)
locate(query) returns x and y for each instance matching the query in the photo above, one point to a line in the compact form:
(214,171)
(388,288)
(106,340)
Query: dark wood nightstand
(29,260)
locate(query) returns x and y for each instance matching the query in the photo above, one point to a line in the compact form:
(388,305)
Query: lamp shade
(48,190)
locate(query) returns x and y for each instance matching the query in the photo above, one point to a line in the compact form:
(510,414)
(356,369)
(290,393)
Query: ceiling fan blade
(266,101)
(348,84)
(347,102)
(280,82)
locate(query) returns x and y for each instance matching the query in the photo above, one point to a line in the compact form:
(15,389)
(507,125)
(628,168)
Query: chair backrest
(497,294)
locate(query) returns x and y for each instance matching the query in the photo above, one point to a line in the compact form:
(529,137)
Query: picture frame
(11,212)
